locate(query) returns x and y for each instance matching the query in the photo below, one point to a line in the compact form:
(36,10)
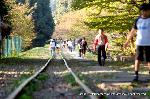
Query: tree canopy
(3,8)
(43,21)
(30,19)
(21,23)
(112,15)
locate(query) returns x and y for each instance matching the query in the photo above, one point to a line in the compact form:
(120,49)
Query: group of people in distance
(141,27)
(56,44)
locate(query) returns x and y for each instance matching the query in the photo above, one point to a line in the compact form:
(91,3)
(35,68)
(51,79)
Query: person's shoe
(136,79)
(100,64)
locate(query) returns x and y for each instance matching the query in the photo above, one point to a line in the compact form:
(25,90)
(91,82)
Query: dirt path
(117,75)
(56,86)
(112,79)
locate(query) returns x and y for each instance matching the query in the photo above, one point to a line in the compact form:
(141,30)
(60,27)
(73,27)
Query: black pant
(80,52)
(101,50)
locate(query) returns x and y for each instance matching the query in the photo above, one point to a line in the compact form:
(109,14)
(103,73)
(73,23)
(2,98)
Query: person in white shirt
(70,46)
(142,29)
(52,47)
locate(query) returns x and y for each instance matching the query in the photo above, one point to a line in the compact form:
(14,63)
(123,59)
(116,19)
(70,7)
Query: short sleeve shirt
(101,40)
(52,43)
(69,43)
(143,31)
(83,44)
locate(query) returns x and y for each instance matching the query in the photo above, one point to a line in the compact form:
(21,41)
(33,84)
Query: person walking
(74,44)
(64,44)
(52,47)
(101,43)
(58,46)
(70,46)
(83,47)
(80,47)
(142,28)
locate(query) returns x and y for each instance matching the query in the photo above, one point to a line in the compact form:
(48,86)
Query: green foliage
(37,52)
(148,93)
(21,79)
(25,96)
(79,4)
(30,19)
(70,79)
(43,21)
(112,23)
(12,61)
(109,14)
(42,77)
(117,41)
(91,56)
(113,16)
(33,86)
(21,22)
(4,8)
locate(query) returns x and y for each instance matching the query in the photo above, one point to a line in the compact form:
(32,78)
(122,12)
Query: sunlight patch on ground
(141,72)
(63,72)
(101,71)
(12,72)
(2,78)
(128,67)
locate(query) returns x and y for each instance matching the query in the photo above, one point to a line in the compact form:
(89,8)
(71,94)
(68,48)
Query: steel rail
(85,87)
(88,91)
(14,94)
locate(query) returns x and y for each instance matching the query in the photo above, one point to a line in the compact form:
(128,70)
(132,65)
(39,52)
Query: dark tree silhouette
(3,9)
(44,23)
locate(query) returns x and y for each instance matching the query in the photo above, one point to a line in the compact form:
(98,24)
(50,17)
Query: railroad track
(52,67)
